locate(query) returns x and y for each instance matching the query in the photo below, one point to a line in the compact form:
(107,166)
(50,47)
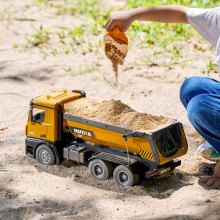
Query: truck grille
(168,140)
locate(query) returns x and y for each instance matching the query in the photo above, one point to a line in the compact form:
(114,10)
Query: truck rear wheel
(124,176)
(100,169)
(45,155)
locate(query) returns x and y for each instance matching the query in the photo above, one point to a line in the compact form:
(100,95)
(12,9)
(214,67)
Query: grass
(190,3)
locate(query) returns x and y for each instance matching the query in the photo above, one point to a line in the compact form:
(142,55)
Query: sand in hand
(116,49)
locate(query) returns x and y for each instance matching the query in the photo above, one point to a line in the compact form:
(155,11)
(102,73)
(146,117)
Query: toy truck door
(37,127)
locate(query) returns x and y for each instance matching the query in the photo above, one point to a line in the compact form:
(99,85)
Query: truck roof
(52,98)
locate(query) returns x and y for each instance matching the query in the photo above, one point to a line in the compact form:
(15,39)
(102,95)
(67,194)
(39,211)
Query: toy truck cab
(53,134)
(45,122)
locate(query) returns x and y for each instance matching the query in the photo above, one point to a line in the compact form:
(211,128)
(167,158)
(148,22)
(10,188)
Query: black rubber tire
(100,169)
(123,176)
(45,155)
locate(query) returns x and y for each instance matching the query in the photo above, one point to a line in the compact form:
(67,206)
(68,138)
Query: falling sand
(116,113)
(116,50)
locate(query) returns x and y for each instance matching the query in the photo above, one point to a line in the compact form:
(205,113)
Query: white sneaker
(207,151)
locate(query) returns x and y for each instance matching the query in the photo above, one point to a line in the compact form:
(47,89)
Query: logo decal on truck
(82,132)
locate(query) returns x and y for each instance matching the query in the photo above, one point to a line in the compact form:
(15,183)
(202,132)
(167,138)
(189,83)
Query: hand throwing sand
(199,95)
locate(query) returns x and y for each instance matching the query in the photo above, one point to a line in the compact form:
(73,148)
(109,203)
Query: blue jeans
(201,98)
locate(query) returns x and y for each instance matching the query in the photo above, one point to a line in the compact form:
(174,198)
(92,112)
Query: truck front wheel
(100,169)
(45,155)
(124,176)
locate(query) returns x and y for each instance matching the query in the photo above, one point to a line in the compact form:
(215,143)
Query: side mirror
(31,115)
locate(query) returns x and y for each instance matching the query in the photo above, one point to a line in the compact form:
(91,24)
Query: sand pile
(116,113)
(116,50)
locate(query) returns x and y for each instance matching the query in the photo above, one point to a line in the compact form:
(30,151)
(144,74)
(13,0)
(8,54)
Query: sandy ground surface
(32,191)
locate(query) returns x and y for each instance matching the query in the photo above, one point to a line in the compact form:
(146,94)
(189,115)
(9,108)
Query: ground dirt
(32,191)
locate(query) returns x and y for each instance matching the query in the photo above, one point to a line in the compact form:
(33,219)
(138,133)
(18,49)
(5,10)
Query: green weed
(79,71)
(14,46)
(176,51)
(90,7)
(172,63)
(210,67)
(40,2)
(40,37)
(76,33)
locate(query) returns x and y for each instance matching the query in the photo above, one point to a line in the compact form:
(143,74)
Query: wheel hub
(44,156)
(123,177)
(98,170)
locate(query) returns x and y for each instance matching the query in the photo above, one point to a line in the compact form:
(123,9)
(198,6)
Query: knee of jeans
(196,111)
(187,89)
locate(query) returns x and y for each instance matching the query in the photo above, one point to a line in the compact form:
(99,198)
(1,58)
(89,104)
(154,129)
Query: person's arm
(166,14)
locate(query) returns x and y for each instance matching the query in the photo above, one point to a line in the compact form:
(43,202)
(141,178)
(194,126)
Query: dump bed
(161,146)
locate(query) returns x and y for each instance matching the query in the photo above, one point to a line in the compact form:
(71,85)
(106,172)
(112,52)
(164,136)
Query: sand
(31,191)
(116,50)
(116,113)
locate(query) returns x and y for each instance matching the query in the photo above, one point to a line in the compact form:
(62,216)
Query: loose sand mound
(116,113)
(116,50)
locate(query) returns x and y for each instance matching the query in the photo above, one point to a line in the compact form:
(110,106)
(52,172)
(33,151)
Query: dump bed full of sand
(116,113)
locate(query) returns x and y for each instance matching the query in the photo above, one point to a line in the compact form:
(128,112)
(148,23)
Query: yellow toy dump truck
(53,135)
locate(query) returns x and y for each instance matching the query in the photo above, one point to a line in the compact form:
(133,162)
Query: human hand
(217,170)
(122,19)
(212,182)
